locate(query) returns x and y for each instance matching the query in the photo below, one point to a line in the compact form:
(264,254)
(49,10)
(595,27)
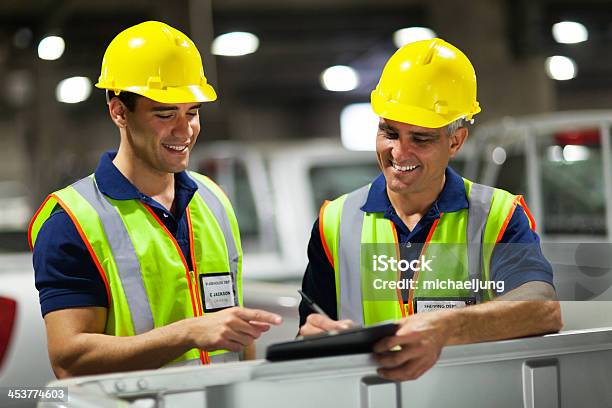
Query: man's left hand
(420,338)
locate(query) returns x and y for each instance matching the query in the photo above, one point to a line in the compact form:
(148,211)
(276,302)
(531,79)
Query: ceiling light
(73,90)
(358,127)
(235,44)
(412,34)
(560,68)
(339,78)
(573,153)
(569,32)
(51,48)
(499,155)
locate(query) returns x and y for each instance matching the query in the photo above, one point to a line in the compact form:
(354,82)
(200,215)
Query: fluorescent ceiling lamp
(51,48)
(339,78)
(358,127)
(73,90)
(560,68)
(573,153)
(569,32)
(499,155)
(235,44)
(411,34)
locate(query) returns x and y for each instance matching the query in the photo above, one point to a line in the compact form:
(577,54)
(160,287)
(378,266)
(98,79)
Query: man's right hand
(317,323)
(231,329)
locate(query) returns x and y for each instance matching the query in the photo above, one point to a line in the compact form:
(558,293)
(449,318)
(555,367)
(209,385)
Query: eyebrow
(425,134)
(390,129)
(173,108)
(385,127)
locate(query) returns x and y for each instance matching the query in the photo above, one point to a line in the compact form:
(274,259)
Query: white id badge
(217,290)
(433,304)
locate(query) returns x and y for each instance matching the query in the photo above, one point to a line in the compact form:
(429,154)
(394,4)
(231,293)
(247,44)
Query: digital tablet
(350,341)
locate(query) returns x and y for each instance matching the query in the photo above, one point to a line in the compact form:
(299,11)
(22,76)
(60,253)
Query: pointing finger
(259,315)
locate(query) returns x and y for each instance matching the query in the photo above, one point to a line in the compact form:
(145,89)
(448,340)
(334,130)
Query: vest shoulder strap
(342,230)
(97,221)
(45,211)
(207,183)
(220,206)
(329,217)
(501,207)
(480,198)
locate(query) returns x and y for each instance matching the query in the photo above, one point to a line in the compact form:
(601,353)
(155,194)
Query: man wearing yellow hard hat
(420,238)
(139,265)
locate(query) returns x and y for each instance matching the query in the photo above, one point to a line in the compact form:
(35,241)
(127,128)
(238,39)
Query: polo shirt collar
(115,185)
(452,198)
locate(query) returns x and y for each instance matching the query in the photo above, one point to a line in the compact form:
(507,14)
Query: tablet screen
(350,341)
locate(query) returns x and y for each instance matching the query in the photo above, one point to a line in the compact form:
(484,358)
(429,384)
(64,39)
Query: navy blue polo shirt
(65,273)
(512,264)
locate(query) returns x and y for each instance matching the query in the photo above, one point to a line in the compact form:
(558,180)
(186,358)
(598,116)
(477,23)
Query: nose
(184,127)
(401,149)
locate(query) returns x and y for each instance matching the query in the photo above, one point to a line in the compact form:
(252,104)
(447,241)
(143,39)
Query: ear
(118,112)
(457,139)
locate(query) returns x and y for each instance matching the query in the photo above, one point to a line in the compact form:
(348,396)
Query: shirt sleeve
(65,274)
(319,281)
(518,257)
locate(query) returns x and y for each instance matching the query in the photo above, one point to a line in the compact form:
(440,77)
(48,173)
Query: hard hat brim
(183,94)
(414,115)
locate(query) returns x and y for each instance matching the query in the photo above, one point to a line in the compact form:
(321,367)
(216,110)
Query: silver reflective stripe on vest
(218,210)
(478,212)
(228,357)
(124,254)
(186,363)
(349,256)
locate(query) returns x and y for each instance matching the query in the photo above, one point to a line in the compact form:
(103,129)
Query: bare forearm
(421,337)
(502,320)
(93,353)
(78,347)
(530,309)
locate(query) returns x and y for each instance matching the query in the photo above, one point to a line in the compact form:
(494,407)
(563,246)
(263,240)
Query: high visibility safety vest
(147,278)
(457,253)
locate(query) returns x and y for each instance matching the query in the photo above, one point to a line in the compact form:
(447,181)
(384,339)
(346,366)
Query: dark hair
(128,98)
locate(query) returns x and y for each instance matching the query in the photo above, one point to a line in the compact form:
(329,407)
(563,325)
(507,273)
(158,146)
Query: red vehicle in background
(8,314)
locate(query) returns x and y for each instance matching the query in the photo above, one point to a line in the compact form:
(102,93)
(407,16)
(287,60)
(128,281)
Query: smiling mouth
(404,168)
(176,148)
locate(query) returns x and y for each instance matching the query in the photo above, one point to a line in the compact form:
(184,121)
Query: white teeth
(403,168)
(175,147)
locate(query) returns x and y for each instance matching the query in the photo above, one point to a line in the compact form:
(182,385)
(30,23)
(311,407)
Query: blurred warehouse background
(54,125)
(294,78)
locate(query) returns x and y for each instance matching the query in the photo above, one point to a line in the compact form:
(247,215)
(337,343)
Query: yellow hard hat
(157,61)
(426,83)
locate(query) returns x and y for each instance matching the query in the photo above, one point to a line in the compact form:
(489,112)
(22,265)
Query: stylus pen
(312,304)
